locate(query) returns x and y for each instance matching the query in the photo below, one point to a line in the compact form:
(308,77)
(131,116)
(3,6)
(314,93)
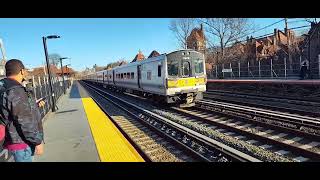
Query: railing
(266,69)
(40,88)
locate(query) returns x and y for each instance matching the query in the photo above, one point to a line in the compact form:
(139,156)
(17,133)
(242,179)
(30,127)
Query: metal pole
(45,89)
(41,95)
(271,68)
(300,60)
(239,68)
(64,86)
(222,70)
(288,44)
(285,67)
(49,74)
(231,68)
(216,71)
(259,69)
(34,88)
(248,68)
(309,55)
(319,64)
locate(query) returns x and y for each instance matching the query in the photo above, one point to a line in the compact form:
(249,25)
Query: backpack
(2,133)
(4,122)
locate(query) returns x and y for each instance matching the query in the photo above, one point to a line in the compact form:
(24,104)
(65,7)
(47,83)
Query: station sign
(226,70)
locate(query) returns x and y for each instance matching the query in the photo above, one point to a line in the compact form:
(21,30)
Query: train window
(132,75)
(121,75)
(149,75)
(198,66)
(159,70)
(173,68)
(186,68)
(128,75)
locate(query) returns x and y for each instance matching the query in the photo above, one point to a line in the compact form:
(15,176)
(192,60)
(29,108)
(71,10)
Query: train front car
(186,77)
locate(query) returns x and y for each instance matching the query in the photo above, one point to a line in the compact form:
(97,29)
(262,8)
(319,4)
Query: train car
(177,77)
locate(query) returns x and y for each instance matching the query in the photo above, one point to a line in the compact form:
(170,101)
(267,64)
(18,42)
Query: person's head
(15,70)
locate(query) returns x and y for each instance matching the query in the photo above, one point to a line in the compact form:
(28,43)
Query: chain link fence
(266,69)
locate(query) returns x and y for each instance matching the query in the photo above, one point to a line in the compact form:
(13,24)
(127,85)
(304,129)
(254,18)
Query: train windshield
(186,70)
(198,66)
(173,68)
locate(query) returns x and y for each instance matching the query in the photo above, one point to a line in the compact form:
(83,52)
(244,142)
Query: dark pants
(303,72)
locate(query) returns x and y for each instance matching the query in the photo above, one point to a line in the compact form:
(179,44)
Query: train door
(139,75)
(113,76)
(103,77)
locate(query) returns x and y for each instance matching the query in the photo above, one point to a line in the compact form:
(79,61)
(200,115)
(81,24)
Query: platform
(80,131)
(266,81)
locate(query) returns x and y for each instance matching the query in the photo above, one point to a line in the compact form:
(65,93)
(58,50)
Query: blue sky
(89,41)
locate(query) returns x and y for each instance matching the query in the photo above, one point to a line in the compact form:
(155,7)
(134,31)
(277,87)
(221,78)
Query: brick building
(314,35)
(197,40)
(138,57)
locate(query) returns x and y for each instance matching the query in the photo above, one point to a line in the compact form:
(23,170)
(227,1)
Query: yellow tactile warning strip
(112,146)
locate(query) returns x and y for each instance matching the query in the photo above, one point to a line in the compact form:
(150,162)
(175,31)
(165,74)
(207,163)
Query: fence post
(239,68)
(40,89)
(45,89)
(216,70)
(259,69)
(271,68)
(248,68)
(222,70)
(285,67)
(319,64)
(34,88)
(230,66)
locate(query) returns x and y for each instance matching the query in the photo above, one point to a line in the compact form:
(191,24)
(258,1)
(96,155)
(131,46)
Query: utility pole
(288,43)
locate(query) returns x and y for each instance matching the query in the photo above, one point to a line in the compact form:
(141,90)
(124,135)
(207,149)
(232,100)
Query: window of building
(159,70)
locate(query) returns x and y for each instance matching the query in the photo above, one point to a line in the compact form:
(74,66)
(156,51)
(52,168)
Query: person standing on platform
(20,111)
(304,68)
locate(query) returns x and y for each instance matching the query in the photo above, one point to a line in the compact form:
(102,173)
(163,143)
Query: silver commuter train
(177,77)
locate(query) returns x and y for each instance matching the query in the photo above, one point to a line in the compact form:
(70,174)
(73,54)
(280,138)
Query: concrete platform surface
(67,132)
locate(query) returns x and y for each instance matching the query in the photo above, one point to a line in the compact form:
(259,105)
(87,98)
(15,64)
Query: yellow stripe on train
(185,82)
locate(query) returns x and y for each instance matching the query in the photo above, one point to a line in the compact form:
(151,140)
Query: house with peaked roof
(138,57)
(197,40)
(154,53)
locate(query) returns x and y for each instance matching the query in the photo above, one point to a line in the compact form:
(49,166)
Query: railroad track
(289,145)
(152,146)
(303,107)
(309,126)
(196,144)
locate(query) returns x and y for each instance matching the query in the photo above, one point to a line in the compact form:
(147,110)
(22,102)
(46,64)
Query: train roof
(161,56)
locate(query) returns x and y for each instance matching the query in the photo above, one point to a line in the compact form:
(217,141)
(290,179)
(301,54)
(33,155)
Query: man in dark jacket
(24,131)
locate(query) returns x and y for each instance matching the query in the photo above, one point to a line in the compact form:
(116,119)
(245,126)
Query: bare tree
(182,28)
(311,20)
(226,31)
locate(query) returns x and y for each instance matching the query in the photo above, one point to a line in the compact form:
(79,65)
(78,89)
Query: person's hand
(39,149)
(41,103)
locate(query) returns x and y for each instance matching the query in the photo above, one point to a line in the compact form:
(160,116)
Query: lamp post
(64,86)
(68,73)
(44,39)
